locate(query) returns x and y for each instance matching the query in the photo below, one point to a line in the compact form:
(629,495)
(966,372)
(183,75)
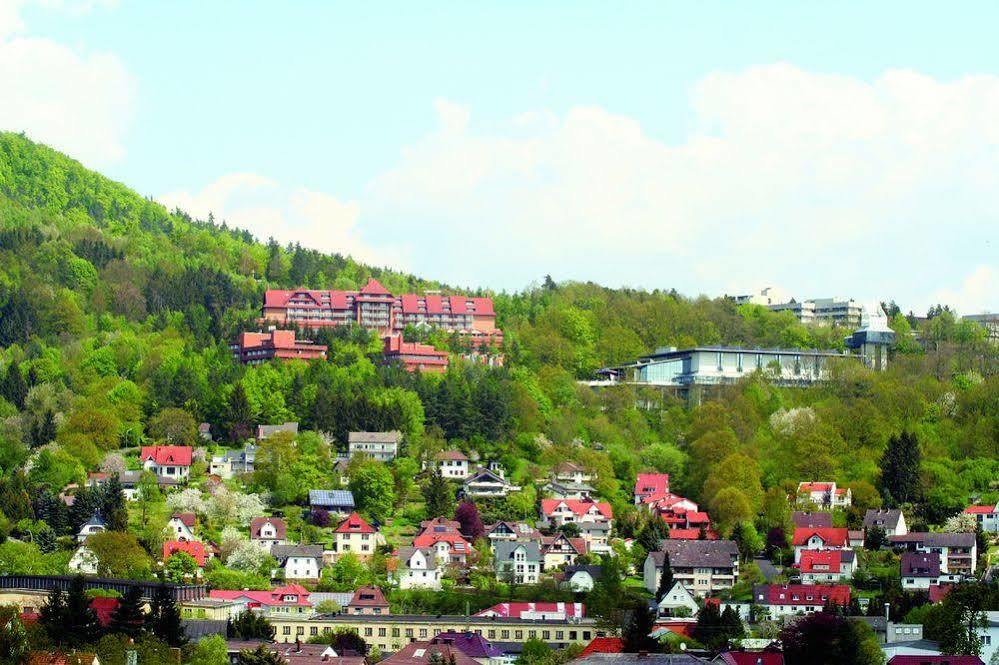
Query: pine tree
(45,538)
(636,633)
(900,466)
(665,580)
(13,388)
(44,431)
(438,495)
(164,618)
(259,656)
(129,617)
(80,625)
(250,626)
(52,616)
(113,505)
(239,416)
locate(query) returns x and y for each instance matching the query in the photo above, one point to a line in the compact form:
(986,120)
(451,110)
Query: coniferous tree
(45,538)
(163,619)
(239,415)
(13,388)
(900,466)
(52,616)
(113,505)
(129,617)
(259,656)
(80,625)
(665,580)
(44,431)
(636,634)
(438,495)
(250,626)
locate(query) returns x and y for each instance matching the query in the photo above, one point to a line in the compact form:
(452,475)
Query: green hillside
(115,314)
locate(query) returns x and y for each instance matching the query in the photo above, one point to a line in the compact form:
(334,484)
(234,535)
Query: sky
(845,149)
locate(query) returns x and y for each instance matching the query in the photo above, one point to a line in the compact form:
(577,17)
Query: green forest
(116,315)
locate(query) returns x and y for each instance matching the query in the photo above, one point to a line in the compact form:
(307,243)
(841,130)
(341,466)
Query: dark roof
(886,519)
(693,553)
(470,644)
(368,596)
(935,539)
(814,520)
(931,660)
(504,549)
(596,572)
(417,653)
(920,564)
(331,498)
(282,552)
(638,659)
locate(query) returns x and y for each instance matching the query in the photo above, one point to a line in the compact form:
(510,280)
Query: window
(286,630)
(313,630)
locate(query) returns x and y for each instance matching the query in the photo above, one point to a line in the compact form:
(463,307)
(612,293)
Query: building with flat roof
(252,348)
(413,356)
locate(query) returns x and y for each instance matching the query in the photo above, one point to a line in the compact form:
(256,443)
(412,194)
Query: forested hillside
(115,316)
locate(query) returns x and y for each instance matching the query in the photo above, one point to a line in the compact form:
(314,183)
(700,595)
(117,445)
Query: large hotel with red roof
(374,308)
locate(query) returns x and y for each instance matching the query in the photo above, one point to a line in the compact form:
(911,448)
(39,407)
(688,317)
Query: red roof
(368,596)
(980,510)
(651,486)
(103,607)
(354,523)
(192,547)
(517,610)
(430,538)
(939,591)
(831,536)
(603,645)
(165,455)
(814,487)
(685,628)
(452,455)
(374,288)
(692,534)
(188,519)
(577,506)
(752,658)
(295,594)
(801,594)
(821,561)
(280,528)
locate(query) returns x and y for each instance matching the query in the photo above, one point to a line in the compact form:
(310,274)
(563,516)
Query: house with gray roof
(299,562)
(416,568)
(382,446)
(518,561)
(264,431)
(340,502)
(890,519)
(958,551)
(703,566)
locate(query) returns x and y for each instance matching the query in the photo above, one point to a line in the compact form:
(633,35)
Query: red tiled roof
(825,561)
(354,523)
(980,510)
(163,455)
(280,528)
(266,598)
(684,628)
(374,288)
(454,455)
(188,519)
(430,538)
(603,645)
(802,594)
(577,506)
(192,547)
(939,591)
(814,487)
(420,653)
(103,607)
(651,486)
(831,536)
(517,610)
(368,596)
(692,534)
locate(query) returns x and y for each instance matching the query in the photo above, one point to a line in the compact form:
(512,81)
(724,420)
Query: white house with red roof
(266,532)
(650,487)
(287,600)
(825,538)
(826,566)
(825,494)
(556,512)
(354,534)
(784,599)
(172,462)
(986,516)
(181,526)
(559,550)
(536,611)
(449,545)
(195,549)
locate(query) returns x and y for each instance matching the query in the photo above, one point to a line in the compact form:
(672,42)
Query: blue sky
(845,149)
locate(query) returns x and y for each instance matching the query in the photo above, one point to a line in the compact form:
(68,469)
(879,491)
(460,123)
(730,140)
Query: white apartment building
(382,446)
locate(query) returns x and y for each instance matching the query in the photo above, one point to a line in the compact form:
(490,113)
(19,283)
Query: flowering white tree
(229,541)
(113,463)
(228,508)
(190,500)
(247,557)
(790,421)
(961,523)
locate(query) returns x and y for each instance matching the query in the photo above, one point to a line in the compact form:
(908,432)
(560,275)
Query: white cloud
(288,214)
(975,291)
(79,103)
(810,180)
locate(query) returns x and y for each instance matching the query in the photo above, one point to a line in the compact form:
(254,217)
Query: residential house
(922,570)
(294,653)
(560,550)
(517,561)
(678,601)
(558,512)
(485,483)
(130,484)
(234,462)
(570,472)
(703,566)
(693,534)
(181,526)
(299,562)
(285,600)
(173,462)
(367,600)
(511,531)
(818,520)
(535,611)
(253,348)
(988,634)
(958,551)
(335,502)
(84,561)
(597,536)
(924,656)
(381,446)
(826,566)
(819,539)
(650,487)
(825,495)
(473,645)
(449,545)
(430,653)
(265,431)
(452,464)
(354,534)
(414,356)
(561,489)
(581,578)
(266,532)
(95,524)
(891,520)
(749,657)
(195,549)
(784,599)
(986,516)
(418,568)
